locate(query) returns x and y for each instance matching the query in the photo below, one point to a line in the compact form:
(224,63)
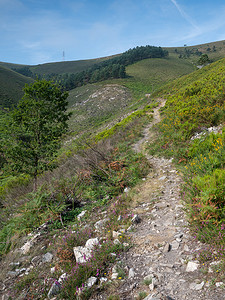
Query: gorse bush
(199,104)
(205,178)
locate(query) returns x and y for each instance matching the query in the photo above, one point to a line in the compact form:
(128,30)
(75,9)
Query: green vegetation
(111,68)
(204,59)
(11,87)
(100,174)
(214,50)
(35,129)
(194,103)
(96,163)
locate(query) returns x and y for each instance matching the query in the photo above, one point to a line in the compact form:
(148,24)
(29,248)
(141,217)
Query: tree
(38,123)
(204,59)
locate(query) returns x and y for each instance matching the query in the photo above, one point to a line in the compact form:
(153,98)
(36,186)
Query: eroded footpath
(162,263)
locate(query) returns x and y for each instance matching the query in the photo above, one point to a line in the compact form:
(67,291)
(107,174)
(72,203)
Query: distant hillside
(214,50)
(59,67)
(11,86)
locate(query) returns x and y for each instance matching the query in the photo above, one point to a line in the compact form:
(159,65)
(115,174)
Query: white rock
(219,284)
(91,281)
(116,242)
(103,279)
(114,276)
(131,273)
(175,245)
(46,258)
(91,243)
(196,286)
(62,278)
(119,218)
(186,248)
(192,266)
(26,247)
(136,219)
(152,285)
(81,214)
(101,224)
(126,190)
(116,234)
(167,248)
(82,254)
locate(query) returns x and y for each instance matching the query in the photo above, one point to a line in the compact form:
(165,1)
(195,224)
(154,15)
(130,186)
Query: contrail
(184,15)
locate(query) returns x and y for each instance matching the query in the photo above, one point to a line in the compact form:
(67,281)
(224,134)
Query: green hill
(59,67)
(214,50)
(11,86)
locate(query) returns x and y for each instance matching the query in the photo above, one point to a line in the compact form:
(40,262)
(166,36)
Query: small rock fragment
(99,226)
(91,243)
(175,245)
(46,258)
(116,242)
(126,190)
(82,254)
(136,219)
(131,273)
(167,248)
(196,286)
(219,284)
(192,266)
(91,281)
(81,214)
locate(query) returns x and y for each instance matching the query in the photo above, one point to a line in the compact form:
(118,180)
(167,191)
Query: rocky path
(162,262)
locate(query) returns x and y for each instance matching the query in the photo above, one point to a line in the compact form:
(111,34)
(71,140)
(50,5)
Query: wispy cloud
(185,15)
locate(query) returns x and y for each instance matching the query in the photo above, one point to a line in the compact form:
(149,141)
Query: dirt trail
(164,251)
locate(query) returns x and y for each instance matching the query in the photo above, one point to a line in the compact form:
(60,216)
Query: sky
(40,31)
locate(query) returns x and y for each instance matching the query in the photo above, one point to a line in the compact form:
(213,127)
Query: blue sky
(38,31)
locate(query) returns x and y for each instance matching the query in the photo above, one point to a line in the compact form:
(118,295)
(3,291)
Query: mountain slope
(11,86)
(59,67)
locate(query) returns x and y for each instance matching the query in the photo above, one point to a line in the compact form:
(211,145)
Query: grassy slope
(194,102)
(60,67)
(80,65)
(95,105)
(11,86)
(213,55)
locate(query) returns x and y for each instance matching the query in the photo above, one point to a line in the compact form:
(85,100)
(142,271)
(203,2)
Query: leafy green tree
(204,59)
(38,123)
